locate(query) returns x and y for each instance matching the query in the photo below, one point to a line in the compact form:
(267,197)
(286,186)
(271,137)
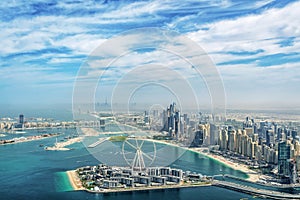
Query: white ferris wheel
(136,155)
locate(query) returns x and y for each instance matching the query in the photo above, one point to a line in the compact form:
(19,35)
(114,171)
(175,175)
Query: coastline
(74,180)
(76,185)
(27,139)
(148,188)
(252,175)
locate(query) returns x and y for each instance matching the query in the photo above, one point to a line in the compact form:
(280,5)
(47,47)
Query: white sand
(74,180)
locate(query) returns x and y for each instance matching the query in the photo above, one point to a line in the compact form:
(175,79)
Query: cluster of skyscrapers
(192,130)
(171,121)
(266,143)
(261,143)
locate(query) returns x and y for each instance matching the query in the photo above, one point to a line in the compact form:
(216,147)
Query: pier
(100,141)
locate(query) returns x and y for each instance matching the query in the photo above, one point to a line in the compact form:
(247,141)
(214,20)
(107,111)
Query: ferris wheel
(136,155)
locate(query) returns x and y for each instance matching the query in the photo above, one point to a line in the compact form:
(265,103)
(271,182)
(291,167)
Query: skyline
(254,45)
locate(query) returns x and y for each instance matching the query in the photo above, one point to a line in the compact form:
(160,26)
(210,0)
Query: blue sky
(254,44)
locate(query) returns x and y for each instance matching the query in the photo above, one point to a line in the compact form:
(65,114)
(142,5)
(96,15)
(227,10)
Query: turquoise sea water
(29,172)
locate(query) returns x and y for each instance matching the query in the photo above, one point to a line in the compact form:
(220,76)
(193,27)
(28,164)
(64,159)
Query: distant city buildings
(19,125)
(9,124)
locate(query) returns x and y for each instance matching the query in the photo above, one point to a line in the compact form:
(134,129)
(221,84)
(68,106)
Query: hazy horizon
(254,49)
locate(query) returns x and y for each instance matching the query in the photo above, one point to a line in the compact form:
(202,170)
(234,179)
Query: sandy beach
(252,175)
(74,180)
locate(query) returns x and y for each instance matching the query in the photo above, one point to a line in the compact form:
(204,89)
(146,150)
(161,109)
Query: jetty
(100,141)
(61,146)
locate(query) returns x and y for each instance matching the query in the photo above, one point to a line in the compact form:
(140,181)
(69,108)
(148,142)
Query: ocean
(27,171)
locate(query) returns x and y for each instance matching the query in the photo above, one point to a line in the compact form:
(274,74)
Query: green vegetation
(117,138)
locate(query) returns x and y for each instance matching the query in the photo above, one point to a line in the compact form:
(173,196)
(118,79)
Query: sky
(254,46)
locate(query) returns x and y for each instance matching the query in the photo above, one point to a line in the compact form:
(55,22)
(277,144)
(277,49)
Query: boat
(19,132)
(56,142)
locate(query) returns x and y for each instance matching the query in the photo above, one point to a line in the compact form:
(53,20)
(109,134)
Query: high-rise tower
(21,119)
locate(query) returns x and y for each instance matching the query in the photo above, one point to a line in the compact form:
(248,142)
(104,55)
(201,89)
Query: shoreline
(252,175)
(135,189)
(76,185)
(74,180)
(27,139)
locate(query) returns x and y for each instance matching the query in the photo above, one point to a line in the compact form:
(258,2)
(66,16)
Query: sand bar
(61,146)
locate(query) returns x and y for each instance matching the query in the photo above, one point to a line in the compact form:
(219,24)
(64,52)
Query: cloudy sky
(253,44)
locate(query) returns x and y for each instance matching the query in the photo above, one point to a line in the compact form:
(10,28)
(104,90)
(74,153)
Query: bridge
(255,191)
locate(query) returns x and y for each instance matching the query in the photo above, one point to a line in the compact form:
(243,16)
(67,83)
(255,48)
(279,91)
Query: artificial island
(105,179)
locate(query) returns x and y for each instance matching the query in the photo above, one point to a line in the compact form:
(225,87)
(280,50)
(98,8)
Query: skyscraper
(172,125)
(224,139)
(286,164)
(21,119)
(232,140)
(270,139)
(284,154)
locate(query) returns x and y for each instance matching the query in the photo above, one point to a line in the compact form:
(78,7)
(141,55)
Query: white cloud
(251,32)
(262,3)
